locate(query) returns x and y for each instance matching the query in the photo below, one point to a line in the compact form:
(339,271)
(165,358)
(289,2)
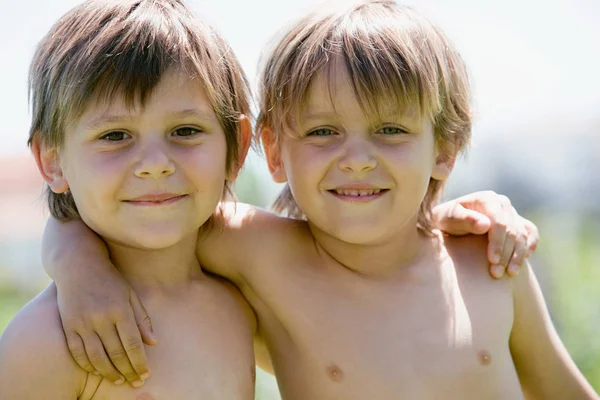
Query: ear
(444,162)
(245,139)
(273,155)
(48,163)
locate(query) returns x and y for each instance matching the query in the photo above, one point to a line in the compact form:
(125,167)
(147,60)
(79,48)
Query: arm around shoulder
(242,237)
(34,359)
(545,369)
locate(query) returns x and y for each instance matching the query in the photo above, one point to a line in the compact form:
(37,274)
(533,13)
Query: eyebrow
(109,119)
(319,115)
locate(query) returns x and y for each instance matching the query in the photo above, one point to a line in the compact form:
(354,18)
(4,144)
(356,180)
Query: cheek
(204,163)
(412,157)
(104,170)
(306,162)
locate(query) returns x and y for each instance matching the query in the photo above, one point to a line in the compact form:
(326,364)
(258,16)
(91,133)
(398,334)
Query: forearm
(66,246)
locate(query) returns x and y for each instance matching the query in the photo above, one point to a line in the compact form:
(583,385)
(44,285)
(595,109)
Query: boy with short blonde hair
(363,299)
(138,126)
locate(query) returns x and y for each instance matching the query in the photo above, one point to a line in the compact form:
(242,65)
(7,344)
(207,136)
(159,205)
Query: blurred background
(535,66)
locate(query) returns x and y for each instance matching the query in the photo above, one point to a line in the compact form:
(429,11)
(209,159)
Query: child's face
(147,177)
(357,180)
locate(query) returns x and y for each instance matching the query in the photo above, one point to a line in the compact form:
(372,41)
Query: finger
(496,236)
(533,236)
(508,248)
(117,354)
(518,257)
(143,321)
(459,220)
(77,350)
(100,360)
(132,342)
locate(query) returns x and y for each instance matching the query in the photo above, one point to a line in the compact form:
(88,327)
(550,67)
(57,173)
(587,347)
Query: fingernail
(137,384)
(513,269)
(120,381)
(497,271)
(145,375)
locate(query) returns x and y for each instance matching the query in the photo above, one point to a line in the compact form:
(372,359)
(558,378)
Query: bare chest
(204,352)
(422,341)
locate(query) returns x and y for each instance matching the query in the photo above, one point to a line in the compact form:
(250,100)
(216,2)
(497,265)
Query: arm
(512,238)
(545,369)
(77,259)
(34,360)
(95,299)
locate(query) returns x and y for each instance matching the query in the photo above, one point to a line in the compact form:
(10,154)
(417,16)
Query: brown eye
(186,131)
(115,136)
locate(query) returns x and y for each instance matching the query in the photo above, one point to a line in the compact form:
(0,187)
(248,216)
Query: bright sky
(529,59)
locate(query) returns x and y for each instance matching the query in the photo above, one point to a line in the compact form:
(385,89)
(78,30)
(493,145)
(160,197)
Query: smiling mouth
(155,200)
(358,194)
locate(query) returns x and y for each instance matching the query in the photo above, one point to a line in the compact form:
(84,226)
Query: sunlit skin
(357,303)
(158,172)
(338,159)
(145,179)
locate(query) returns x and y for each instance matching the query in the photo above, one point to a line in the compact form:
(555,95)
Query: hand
(105,324)
(512,238)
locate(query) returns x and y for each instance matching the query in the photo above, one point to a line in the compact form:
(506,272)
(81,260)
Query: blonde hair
(393,56)
(104,48)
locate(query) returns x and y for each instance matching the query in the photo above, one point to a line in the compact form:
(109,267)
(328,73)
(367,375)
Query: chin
(157,238)
(366,233)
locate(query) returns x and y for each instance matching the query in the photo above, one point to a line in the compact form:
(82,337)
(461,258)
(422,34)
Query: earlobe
(47,160)
(273,155)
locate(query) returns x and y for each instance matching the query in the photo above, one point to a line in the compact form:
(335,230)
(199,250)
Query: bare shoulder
(468,249)
(489,301)
(34,357)
(245,238)
(252,218)
(469,256)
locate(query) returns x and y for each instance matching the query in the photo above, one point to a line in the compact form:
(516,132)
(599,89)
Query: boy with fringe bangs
(136,104)
(363,112)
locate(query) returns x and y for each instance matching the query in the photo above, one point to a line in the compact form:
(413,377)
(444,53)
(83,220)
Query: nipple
(485,358)
(335,373)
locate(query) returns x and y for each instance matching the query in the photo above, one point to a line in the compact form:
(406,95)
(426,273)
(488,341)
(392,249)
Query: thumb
(462,221)
(143,320)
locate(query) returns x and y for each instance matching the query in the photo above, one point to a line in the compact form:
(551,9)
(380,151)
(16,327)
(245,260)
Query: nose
(358,156)
(155,162)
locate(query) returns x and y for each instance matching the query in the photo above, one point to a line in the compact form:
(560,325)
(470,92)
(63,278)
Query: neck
(396,253)
(165,268)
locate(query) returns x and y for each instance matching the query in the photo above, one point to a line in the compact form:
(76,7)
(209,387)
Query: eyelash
(123,135)
(106,136)
(314,132)
(398,131)
(196,131)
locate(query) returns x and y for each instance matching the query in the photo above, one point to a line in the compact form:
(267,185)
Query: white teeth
(357,192)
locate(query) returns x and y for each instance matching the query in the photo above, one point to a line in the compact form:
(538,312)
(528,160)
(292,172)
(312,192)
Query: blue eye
(186,131)
(115,136)
(321,132)
(391,130)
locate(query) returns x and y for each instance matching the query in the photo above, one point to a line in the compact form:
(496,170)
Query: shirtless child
(363,112)
(136,115)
